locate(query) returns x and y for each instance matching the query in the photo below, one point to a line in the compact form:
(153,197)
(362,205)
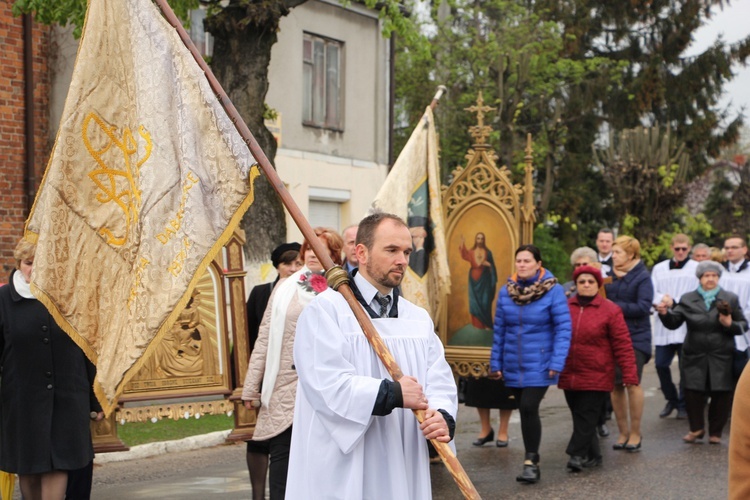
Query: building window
(325,206)
(322,82)
(200,37)
(325,214)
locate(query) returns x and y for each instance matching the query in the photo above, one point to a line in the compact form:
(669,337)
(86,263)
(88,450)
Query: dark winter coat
(532,339)
(600,338)
(256,306)
(634,293)
(708,349)
(46,392)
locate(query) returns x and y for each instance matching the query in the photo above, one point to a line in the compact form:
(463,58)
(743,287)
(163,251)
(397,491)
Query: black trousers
(718,410)
(79,483)
(585,408)
(279,463)
(529,399)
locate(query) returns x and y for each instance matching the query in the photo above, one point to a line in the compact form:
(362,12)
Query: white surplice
(339,449)
(739,284)
(675,283)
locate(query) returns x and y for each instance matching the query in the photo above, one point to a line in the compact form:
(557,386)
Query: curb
(160,448)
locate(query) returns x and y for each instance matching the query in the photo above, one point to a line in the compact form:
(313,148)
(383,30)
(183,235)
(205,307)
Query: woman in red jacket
(600,337)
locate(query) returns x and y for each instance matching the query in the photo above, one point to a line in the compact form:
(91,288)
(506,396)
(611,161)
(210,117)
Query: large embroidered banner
(412,191)
(147,180)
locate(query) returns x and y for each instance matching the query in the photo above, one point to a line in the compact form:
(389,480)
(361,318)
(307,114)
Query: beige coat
(739,441)
(278,415)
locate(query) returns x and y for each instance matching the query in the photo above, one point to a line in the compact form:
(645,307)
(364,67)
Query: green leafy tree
(660,85)
(645,169)
(512,55)
(728,205)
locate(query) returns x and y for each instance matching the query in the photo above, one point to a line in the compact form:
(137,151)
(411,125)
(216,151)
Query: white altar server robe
(339,449)
(739,284)
(675,283)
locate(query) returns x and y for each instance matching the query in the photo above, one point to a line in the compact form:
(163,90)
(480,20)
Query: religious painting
(487,217)
(418,221)
(480,256)
(192,355)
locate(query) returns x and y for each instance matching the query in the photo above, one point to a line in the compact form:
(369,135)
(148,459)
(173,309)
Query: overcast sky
(733,23)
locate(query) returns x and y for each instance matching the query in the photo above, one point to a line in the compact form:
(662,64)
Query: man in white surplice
(354,434)
(672,278)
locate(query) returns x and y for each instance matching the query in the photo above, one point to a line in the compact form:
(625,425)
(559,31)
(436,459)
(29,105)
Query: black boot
(530,473)
(575,464)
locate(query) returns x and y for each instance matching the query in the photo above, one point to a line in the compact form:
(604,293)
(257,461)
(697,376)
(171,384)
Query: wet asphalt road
(666,468)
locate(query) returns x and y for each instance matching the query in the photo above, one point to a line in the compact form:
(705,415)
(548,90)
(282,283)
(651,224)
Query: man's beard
(384,278)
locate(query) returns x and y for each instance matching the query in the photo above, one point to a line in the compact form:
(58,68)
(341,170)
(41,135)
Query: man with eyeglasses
(672,278)
(735,248)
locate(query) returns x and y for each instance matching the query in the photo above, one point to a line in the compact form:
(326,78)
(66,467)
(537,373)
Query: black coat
(46,392)
(708,349)
(256,306)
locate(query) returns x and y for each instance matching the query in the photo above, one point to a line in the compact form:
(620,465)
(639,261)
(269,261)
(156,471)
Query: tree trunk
(240,62)
(549,182)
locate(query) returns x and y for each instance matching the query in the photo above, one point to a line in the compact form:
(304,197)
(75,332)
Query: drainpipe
(391,98)
(28,101)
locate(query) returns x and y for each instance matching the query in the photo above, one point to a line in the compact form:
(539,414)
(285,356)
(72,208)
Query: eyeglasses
(732,248)
(579,264)
(586,282)
(680,249)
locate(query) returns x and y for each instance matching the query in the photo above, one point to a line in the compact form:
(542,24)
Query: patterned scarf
(523,295)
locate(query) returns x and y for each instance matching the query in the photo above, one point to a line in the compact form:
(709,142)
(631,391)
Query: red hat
(587,269)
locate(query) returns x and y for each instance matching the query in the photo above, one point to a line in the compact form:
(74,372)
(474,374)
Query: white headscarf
(283,295)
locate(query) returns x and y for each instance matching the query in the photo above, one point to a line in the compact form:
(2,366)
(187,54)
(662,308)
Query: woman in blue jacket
(530,344)
(633,291)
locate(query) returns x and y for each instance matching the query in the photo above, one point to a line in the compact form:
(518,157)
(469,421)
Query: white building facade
(329,84)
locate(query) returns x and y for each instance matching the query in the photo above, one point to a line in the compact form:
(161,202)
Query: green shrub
(554,256)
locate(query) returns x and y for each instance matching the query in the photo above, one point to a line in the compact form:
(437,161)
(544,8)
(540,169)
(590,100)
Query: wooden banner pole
(337,277)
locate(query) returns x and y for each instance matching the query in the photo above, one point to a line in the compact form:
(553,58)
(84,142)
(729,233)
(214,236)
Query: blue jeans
(664,356)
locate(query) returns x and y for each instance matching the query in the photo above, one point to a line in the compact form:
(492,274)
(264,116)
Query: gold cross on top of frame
(480,132)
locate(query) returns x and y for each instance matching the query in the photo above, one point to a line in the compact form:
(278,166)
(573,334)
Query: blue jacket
(634,293)
(531,339)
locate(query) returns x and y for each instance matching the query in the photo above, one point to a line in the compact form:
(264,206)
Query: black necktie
(383,300)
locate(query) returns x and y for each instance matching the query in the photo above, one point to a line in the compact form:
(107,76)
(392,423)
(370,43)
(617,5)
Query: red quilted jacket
(600,336)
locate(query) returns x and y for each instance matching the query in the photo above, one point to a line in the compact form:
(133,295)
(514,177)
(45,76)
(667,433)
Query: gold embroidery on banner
(105,176)
(138,276)
(175,224)
(178,264)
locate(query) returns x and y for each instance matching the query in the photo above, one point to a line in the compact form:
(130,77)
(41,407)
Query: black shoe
(486,439)
(530,473)
(501,444)
(608,415)
(593,462)
(602,430)
(575,464)
(668,409)
(634,448)
(681,413)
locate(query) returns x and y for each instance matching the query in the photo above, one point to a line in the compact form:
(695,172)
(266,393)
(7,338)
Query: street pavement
(666,468)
